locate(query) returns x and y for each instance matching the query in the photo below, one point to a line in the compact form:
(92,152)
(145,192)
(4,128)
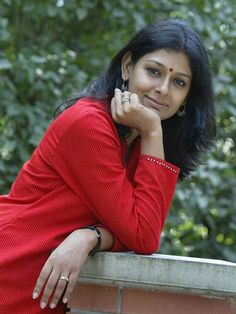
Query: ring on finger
(64,278)
(125,99)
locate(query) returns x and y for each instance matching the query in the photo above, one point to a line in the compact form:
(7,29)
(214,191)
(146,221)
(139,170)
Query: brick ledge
(206,277)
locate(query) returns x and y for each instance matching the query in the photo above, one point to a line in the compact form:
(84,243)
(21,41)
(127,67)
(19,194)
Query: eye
(179,82)
(154,71)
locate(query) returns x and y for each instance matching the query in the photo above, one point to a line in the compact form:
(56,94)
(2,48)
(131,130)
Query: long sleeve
(90,162)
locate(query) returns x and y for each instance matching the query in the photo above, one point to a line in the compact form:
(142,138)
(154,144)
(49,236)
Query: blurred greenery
(50,49)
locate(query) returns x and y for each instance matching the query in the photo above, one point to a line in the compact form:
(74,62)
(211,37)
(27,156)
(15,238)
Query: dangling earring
(124,86)
(182,111)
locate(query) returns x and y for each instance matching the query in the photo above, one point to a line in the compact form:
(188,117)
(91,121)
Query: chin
(167,117)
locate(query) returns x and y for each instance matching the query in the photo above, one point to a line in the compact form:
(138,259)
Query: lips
(155,103)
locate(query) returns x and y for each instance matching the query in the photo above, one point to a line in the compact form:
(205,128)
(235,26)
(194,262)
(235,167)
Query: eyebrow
(163,66)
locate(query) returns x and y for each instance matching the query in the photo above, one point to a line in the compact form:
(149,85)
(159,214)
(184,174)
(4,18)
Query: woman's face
(161,79)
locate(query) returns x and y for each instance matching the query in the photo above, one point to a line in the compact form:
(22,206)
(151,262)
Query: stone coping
(207,277)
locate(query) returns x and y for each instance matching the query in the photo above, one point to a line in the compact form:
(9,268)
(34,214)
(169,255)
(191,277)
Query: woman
(110,160)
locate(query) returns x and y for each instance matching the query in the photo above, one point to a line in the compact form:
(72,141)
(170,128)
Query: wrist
(152,130)
(152,144)
(151,134)
(95,239)
(85,239)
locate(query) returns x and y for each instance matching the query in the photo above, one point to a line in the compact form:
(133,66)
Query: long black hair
(185,137)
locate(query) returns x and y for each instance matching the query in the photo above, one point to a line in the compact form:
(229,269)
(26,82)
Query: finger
(113,110)
(130,103)
(61,285)
(125,100)
(124,104)
(70,286)
(49,288)
(117,96)
(43,277)
(117,99)
(134,98)
(118,104)
(135,102)
(125,96)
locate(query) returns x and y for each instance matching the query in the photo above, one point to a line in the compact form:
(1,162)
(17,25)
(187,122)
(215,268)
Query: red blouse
(76,177)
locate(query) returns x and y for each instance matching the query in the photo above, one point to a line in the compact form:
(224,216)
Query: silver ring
(125,99)
(64,278)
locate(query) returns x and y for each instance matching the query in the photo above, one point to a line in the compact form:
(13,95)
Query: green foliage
(51,49)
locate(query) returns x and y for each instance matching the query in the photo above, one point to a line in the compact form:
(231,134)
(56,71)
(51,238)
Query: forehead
(178,61)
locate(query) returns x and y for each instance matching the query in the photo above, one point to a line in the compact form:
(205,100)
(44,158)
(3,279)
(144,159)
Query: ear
(126,65)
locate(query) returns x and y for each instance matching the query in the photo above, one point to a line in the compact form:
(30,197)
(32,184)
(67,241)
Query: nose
(163,86)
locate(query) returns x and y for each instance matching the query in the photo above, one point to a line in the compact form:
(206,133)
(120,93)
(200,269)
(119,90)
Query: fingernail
(35,295)
(65,300)
(52,306)
(43,305)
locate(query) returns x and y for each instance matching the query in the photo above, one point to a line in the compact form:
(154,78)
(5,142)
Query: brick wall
(135,284)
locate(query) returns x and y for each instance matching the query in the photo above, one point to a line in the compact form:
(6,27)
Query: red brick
(138,301)
(94,298)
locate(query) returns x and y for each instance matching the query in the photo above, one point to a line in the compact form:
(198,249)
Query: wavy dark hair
(186,137)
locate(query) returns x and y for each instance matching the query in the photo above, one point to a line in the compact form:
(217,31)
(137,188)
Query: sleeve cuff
(117,246)
(162,163)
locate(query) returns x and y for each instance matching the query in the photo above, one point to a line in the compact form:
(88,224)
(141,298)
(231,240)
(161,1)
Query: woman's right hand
(61,270)
(65,262)
(133,114)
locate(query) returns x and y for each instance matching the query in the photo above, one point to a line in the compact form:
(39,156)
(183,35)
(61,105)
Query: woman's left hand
(61,270)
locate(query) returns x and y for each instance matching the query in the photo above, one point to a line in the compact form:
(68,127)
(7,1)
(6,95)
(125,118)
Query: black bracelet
(99,239)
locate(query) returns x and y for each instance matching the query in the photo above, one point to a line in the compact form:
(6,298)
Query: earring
(182,111)
(124,86)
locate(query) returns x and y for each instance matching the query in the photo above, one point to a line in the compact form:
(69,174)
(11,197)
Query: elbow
(148,247)
(147,240)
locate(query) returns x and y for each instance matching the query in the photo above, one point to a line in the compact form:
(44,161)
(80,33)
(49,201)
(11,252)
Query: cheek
(179,98)
(139,84)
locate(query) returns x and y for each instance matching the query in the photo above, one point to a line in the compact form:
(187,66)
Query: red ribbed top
(77,177)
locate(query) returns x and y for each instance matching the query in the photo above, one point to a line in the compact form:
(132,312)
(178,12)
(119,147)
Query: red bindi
(170,69)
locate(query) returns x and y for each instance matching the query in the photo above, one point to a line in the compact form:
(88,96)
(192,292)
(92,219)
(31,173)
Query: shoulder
(85,113)
(85,107)
(87,124)
(85,119)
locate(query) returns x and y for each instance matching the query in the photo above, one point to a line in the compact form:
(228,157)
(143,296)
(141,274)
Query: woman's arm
(66,261)
(90,161)
(145,121)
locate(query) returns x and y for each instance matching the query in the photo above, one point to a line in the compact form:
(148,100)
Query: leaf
(5,64)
